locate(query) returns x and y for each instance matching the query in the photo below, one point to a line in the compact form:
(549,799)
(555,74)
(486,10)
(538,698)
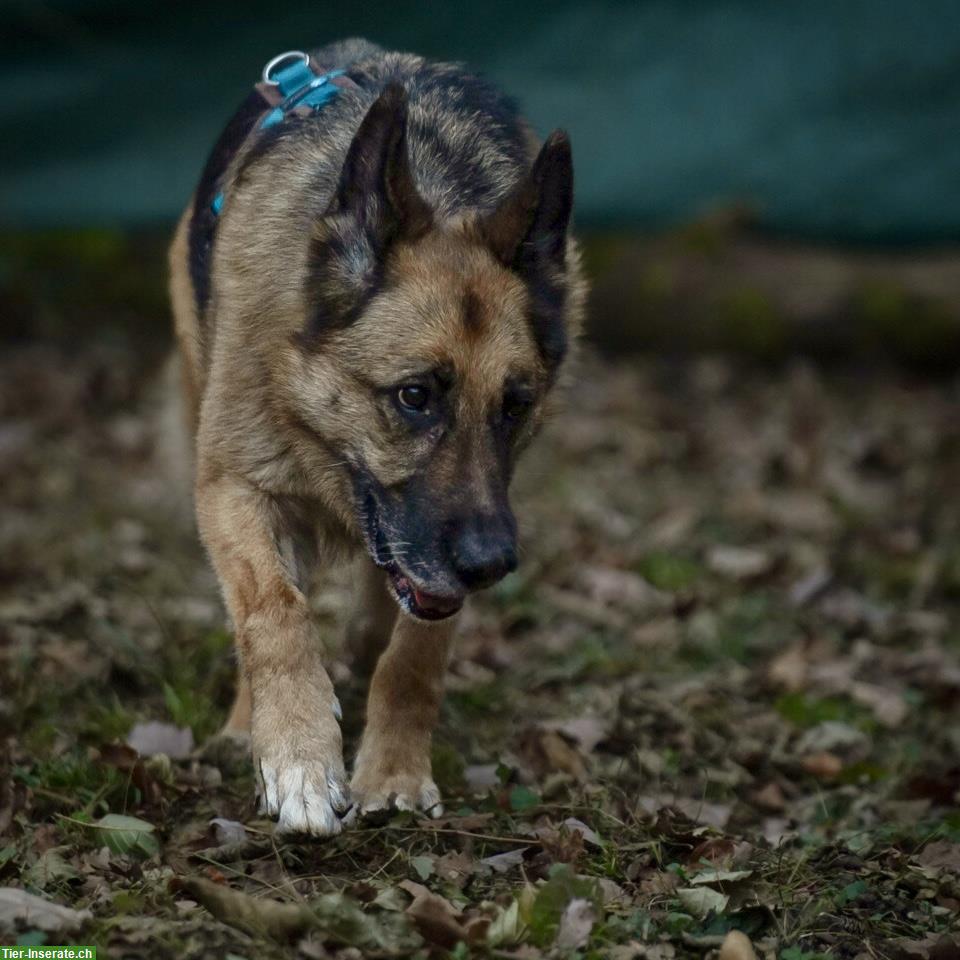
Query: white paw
(304,799)
(398,791)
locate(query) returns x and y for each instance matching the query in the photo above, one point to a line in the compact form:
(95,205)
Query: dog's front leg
(297,748)
(393,763)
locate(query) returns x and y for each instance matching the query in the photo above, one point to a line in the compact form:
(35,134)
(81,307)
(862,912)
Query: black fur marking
(547,299)
(203,222)
(325,310)
(541,208)
(474,320)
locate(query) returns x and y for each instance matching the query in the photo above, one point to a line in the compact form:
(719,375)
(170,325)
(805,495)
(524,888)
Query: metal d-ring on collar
(267,74)
(294,86)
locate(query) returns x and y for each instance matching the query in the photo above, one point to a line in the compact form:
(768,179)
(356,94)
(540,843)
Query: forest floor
(721,693)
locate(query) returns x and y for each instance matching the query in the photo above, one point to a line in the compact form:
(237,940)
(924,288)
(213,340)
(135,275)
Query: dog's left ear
(529,226)
(376,184)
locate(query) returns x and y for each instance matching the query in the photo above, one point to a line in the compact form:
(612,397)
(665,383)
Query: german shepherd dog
(372,300)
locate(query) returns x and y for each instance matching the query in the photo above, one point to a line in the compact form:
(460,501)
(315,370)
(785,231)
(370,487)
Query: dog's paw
(299,765)
(310,798)
(372,792)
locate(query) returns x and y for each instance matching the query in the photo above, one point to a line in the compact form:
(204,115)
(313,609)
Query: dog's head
(429,349)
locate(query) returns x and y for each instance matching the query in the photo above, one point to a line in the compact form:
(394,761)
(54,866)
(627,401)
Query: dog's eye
(515,406)
(413,397)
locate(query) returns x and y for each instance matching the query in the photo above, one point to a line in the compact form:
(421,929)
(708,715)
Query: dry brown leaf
(455,867)
(561,845)
(546,751)
(585,731)
(737,946)
(941,855)
(823,766)
(624,590)
(789,669)
(770,797)
(434,917)
(255,915)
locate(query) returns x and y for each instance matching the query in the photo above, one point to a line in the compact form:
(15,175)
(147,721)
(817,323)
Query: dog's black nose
(485,551)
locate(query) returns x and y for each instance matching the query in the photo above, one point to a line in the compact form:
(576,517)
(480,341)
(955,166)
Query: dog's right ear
(528,230)
(376,184)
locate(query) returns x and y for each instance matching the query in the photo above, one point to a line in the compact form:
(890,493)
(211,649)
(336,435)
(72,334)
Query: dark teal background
(831,119)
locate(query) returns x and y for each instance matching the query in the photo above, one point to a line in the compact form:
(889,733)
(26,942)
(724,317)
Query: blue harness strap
(298,86)
(291,84)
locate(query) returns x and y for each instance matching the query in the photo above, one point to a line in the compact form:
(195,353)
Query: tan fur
(273,418)
(402,710)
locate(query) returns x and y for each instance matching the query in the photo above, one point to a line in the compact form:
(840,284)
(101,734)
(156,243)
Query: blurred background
(749,175)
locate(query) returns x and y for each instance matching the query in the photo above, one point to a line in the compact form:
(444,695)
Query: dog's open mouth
(414,601)
(411,598)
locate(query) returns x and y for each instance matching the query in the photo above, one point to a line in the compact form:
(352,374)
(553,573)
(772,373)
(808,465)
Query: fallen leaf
(711,814)
(228,831)
(152,738)
(586,731)
(612,892)
(576,923)
(455,867)
(810,587)
(739,563)
(737,946)
(715,849)
(123,834)
(721,876)
(888,706)
(551,900)
(482,777)
(547,751)
(789,669)
(574,825)
(254,915)
(624,589)
(770,797)
(506,927)
(50,867)
(435,917)
(423,866)
(823,766)
(701,901)
(19,909)
(832,736)
(125,758)
(941,855)
(504,862)
(659,884)
(561,845)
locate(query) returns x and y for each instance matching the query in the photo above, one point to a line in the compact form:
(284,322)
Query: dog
(374,289)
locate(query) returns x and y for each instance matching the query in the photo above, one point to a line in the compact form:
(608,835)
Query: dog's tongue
(427,601)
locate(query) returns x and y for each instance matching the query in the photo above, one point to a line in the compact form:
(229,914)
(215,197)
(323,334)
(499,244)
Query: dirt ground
(722,692)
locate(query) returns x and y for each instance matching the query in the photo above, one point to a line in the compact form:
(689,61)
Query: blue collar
(292,83)
(299,85)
